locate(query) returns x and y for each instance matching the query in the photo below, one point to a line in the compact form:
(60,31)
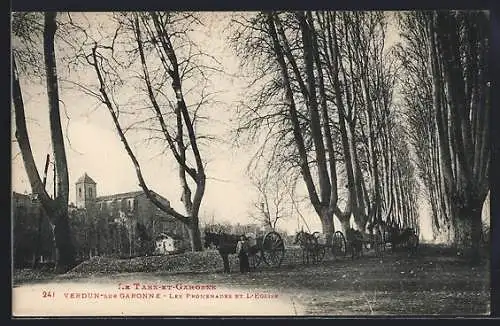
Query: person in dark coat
(242,251)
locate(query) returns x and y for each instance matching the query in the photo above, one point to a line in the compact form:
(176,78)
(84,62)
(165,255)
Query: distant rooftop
(164,235)
(17,194)
(85,179)
(123,195)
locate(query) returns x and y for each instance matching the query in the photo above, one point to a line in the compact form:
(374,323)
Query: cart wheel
(273,249)
(339,245)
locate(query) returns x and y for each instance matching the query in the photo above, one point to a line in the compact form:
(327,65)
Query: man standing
(242,251)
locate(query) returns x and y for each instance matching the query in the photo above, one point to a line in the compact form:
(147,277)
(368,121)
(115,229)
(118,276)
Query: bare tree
(56,208)
(462,120)
(457,44)
(297,69)
(158,45)
(416,91)
(325,96)
(271,204)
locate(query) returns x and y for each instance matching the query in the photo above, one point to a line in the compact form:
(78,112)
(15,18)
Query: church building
(132,209)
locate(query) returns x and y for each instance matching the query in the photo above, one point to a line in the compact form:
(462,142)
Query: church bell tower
(85,191)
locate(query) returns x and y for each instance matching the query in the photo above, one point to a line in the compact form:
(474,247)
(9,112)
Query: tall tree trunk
(344,225)
(360,213)
(166,52)
(290,102)
(62,234)
(325,202)
(314,116)
(467,231)
(57,208)
(327,226)
(460,154)
(195,235)
(65,253)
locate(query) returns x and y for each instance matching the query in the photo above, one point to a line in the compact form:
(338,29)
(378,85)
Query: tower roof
(85,179)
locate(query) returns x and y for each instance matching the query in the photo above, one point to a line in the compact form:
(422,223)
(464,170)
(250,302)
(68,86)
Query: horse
(403,238)
(408,238)
(381,232)
(355,240)
(309,245)
(225,244)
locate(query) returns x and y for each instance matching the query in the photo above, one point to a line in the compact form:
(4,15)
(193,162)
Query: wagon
(373,241)
(337,246)
(269,249)
(340,245)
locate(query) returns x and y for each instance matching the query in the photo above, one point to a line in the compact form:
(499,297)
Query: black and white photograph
(250,163)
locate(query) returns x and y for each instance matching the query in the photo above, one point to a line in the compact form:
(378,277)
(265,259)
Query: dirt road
(433,284)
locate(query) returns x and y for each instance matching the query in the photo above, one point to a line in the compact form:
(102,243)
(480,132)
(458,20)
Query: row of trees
(321,101)
(324,99)
(100,234)
(91,236)
(32,236)
(446,92)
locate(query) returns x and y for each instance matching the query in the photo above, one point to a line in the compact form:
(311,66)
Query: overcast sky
(93,145)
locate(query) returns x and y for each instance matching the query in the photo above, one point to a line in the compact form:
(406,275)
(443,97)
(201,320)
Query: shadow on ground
(436,282)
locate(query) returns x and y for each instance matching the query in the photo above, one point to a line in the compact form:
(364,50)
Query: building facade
(167,244)
(123,223)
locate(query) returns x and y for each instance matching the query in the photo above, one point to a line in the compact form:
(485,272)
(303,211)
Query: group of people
(242,248)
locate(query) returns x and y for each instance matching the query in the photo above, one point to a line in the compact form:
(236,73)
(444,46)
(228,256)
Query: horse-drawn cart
(337,245)
(357,241)
(316,245)
(269,248)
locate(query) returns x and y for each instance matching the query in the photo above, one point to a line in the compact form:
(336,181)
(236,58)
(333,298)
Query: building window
(130,204)
(90,192)
(80,192)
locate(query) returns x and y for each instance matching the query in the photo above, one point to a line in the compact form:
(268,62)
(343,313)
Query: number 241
(48,294)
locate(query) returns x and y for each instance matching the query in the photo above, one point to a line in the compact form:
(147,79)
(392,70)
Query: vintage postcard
(305,163)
